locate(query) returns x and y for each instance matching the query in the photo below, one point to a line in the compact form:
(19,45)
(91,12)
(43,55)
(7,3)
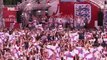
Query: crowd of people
(53,39)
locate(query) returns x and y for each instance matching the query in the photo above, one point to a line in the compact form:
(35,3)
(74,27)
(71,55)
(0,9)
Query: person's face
(45,54)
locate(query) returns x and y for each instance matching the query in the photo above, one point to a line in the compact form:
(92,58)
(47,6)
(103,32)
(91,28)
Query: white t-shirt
(69,55)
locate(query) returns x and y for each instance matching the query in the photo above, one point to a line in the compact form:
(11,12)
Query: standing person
(77,22)
(12,22)
(72,21)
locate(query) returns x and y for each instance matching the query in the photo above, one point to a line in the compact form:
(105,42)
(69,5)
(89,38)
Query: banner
(9,14)
(83,11)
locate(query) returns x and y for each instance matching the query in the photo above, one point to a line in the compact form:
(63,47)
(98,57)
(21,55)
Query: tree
(10,2)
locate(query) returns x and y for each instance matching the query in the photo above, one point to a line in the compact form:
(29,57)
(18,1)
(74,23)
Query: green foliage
(10,2)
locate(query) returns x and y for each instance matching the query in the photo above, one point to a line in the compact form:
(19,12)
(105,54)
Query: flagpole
(1,14)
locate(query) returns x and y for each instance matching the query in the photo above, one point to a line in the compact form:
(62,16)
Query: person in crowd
(51,40)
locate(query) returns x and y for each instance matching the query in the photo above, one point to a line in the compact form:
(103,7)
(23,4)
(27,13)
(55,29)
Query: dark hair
(10,32)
